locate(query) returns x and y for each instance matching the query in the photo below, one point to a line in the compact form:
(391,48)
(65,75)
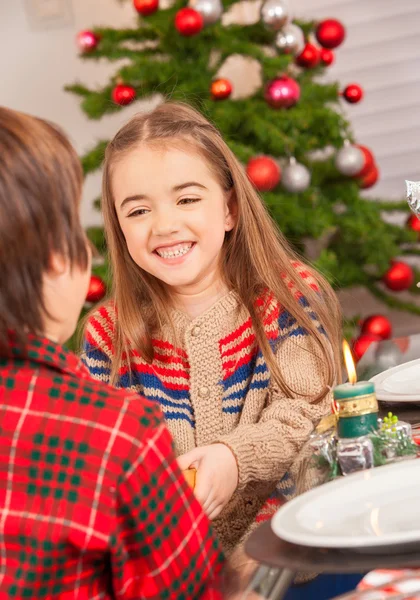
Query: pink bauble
(282,92)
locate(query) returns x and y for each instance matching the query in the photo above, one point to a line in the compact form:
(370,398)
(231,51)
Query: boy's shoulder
(108,407)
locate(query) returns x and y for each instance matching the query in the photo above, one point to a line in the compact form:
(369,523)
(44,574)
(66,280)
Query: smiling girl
(212,315)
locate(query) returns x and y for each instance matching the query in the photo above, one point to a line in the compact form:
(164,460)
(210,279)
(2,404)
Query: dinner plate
(369,510)
(399,384)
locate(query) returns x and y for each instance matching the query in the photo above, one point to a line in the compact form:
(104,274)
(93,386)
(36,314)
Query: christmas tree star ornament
(413,196)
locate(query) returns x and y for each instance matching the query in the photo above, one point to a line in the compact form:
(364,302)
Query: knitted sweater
(216,388)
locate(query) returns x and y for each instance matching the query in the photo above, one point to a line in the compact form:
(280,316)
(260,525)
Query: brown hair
(40,190)
(255,256)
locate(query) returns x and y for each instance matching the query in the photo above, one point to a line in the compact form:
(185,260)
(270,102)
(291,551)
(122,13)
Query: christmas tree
(291,133)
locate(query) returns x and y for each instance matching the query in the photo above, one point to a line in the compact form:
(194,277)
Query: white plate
(370,509)
(399,384)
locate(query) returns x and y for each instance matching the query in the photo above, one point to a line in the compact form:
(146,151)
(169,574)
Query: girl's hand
(217,476)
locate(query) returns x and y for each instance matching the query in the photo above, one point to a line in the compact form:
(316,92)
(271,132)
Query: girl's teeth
(172,254)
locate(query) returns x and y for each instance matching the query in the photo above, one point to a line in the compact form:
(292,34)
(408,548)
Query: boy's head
(44,257)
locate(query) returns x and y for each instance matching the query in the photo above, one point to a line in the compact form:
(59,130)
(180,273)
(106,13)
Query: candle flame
(349,362)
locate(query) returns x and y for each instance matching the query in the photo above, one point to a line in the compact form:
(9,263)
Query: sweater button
(204,392)
(196,331)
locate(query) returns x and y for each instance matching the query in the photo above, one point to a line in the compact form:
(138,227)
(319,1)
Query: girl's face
(173,213)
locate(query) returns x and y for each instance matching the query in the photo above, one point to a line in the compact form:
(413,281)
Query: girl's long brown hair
(255,255)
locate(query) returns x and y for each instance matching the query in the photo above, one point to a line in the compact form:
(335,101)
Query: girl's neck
(197,299)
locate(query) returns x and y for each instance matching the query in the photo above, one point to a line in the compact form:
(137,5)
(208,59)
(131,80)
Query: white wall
(381,53)
(36,65)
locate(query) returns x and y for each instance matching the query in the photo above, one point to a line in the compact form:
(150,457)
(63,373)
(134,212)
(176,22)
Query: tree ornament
(123,94)
(377,325)
(146,7)
(369,180)
(282,92)
(413,196)
(309,57)
(353,93)
(210,10)
(327,56)
(349,160)
(330,33)
(87,41)
(97,289)
(221,89)
(413,223)
(399,276)
(263,172)
(295,177)
(188,22)
(387,355)
(290,39)
(275,14)
(369,161)
(362,343)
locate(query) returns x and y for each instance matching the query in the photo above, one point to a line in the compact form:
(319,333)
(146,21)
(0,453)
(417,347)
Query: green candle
(357,409)
(351,390)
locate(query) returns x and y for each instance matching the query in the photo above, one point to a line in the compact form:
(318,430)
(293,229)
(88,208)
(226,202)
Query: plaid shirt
(92,503)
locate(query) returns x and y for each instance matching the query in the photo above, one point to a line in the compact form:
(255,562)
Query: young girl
(212,315)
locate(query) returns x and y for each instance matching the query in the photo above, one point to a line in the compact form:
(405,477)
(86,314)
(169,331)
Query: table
(265,547)
(280,560)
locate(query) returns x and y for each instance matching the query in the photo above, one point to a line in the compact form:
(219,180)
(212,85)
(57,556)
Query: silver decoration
(349,160)
(355,454)
(295,177)
(210,10)
(290,40)
(413,196)
(275,14)
(387,355)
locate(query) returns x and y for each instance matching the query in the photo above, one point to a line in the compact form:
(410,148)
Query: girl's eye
(138,212)
(189,200)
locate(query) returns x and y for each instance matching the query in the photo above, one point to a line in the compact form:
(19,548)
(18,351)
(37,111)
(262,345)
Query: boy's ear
(58,264)
(231,210)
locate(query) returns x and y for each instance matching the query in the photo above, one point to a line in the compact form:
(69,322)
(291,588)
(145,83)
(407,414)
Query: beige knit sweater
(217,388)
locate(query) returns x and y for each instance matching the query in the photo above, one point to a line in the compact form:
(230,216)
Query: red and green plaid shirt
(92,502)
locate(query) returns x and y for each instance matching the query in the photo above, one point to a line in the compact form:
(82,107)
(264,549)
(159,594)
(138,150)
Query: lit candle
(356,402)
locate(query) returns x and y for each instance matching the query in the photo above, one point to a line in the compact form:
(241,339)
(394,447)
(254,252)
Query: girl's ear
(231,210)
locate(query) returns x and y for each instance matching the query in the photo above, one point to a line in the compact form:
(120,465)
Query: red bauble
(263,173)
(377,325)
(399,276)
(327,56)
(413,223)
(188,21)
(330,33)
(369,161)
(146,7)
(362,343)
(123,94)
(282,92)
(371,177)
(97,289)
(309,57)
(221,89)
(353,93)
(87,41)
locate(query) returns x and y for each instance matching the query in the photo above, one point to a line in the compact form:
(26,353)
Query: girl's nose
(165,223)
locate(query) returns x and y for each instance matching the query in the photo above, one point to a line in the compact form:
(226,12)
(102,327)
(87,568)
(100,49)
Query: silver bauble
(295,177)
(210,10)
(290,40)
(275,14)
(349,160)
